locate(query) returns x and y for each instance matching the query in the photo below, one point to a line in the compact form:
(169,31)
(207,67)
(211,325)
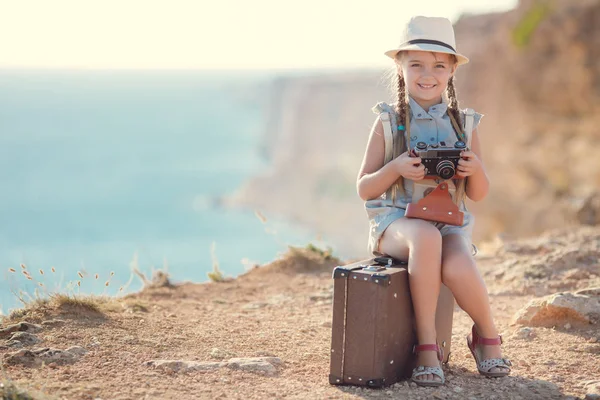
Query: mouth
(426,87)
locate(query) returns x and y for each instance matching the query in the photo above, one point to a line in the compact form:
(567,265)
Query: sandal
(423,370)
(485,366)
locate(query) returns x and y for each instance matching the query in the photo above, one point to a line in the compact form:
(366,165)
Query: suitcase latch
(374,268)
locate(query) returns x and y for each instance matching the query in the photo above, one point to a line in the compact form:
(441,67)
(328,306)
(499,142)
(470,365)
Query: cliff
(533,73)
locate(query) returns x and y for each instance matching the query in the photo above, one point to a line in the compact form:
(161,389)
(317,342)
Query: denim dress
(429,127)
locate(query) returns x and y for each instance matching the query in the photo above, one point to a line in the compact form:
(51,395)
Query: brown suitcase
(373,323)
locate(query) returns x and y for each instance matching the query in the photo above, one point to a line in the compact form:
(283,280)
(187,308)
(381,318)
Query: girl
(427,111)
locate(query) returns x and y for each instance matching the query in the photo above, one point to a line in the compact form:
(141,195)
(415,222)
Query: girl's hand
(468,164)
(409,167)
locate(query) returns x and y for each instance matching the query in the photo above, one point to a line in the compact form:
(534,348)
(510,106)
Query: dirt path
(282,310)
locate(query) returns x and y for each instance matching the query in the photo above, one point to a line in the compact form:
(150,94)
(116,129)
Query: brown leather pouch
(437,206)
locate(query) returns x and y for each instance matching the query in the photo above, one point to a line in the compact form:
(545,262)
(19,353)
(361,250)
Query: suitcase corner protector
(335,380)
(340,272)
(376,383)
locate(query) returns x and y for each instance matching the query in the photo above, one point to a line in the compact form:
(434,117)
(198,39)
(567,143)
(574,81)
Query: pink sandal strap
(476,339)
(429,347)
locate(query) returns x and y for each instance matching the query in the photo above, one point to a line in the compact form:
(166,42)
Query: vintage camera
(440,160)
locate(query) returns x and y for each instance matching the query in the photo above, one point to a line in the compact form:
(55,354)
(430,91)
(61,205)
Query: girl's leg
(462,277)
(420,243)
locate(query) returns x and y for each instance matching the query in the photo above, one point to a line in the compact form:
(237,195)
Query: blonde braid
(455,117)
(400,145)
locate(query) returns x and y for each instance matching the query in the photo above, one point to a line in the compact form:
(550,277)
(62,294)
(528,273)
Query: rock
(184,366)
(77,350)
(54,322)
(60,357)
(592,387)
(263,365)
(589,292)
(36,357)
(589,212)
(559,309)
(323,296)
(20,327)
(21,339)
(326,324)
(592,396)
(220,354)
(23,357)
(524,333)
(254,306)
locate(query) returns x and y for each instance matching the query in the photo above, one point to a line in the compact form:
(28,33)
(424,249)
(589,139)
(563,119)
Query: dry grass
(298,260)
(157,279)
(216,275)
(60,303)
(9,390)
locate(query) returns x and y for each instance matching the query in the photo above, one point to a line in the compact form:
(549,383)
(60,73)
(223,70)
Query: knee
(456,268)
(426,237)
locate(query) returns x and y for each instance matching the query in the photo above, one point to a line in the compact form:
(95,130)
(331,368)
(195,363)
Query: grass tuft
(61,303)
(216,275)
(326,254)
(10,391)
(526,27)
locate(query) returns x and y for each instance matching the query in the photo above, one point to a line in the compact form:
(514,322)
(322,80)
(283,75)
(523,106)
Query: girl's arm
(478,183)
(374,178)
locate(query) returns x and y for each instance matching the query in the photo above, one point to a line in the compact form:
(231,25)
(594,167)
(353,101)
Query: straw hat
(428,34)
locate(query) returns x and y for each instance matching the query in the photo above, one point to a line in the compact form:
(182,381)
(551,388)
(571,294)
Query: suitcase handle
(389,261)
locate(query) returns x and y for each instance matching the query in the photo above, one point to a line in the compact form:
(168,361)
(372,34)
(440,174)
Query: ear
(454,68)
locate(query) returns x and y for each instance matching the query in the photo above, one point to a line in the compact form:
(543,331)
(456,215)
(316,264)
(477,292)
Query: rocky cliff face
(534,73)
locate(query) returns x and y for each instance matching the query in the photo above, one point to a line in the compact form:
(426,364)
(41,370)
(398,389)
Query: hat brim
(427,47)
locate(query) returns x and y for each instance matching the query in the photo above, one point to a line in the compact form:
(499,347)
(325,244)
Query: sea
(107,171)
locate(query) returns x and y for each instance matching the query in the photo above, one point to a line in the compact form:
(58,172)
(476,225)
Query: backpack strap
(388,120)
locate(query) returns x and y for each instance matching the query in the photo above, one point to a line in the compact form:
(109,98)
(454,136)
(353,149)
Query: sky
(212,34)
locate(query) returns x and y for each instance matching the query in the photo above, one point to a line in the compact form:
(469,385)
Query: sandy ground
(284,310)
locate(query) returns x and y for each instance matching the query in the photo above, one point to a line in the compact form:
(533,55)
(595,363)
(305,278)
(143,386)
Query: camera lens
(445,169)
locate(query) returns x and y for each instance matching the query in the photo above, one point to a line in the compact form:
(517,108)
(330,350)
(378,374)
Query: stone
(54,322)
(20,327)
(77,350)
(184,366)
(22,357)
(524,333)
(254,306)
(220,354)
(57,356)
(323,296)
(560,309)
(263,365)
(20,339)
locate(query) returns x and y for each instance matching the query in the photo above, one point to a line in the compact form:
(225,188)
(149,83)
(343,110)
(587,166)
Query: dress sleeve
(476,118)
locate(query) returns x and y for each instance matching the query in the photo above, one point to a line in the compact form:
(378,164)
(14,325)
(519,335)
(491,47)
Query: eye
(440,66)
(414,65)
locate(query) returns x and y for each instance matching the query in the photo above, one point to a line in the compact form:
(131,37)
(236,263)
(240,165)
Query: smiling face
(426,75)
